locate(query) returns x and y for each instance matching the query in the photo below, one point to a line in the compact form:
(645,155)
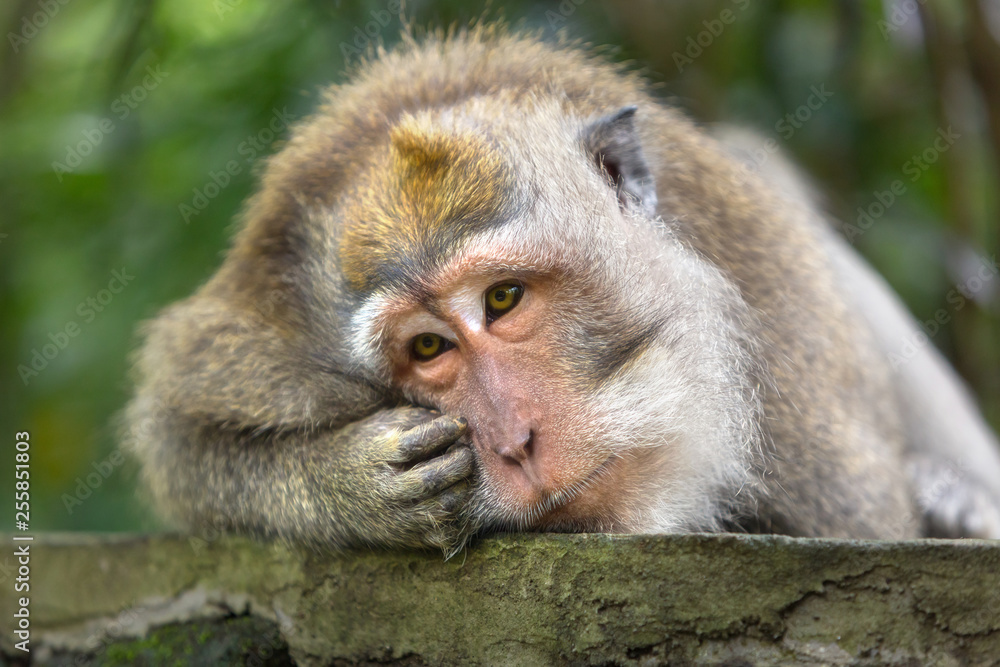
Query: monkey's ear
(614,144)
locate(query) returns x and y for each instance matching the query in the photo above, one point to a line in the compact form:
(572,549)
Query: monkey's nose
(516,450)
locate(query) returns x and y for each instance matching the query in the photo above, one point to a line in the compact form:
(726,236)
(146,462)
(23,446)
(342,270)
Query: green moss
(241,640)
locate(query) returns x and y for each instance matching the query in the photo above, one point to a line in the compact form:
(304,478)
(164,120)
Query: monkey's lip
(553,504)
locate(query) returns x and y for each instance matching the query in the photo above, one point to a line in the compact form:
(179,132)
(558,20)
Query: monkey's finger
(423,441)
(441,525)
(445,504)
(432,477)
(452,499)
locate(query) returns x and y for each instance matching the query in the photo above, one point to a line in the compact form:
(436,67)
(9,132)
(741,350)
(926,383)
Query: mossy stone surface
(526,599)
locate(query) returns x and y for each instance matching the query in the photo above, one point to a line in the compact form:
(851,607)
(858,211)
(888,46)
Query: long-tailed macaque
(494,284)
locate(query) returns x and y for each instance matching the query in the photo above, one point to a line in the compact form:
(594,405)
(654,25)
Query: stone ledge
(520,599)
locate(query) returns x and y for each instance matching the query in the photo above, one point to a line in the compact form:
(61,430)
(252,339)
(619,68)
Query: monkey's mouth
(580,506)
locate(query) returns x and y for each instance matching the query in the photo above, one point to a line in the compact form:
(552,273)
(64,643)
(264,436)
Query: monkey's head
(507,267)
(497,251)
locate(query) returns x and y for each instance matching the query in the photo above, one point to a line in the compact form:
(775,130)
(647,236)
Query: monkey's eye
(501,298)
(426,346)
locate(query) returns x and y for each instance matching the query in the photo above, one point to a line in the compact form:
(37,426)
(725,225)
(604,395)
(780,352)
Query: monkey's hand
(401,478)
(954,502)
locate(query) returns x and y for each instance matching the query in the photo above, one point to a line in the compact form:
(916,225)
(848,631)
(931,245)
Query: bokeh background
(118,118)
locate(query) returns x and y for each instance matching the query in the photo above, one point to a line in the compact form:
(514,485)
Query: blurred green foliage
(115,114)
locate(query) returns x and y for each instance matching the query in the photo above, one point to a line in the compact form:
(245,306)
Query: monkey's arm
(953,458)
(230,436)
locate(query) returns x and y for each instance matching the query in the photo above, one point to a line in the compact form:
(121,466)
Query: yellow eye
(501,298)
(428,345)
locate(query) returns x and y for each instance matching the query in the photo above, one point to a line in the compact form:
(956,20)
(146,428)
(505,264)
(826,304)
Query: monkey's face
(545,309)
(496,347)
(481,306)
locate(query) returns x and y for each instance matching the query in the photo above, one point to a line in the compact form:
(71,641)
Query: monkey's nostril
(517,453)
(528,445)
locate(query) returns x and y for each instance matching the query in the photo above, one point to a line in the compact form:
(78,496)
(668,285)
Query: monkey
(495,284)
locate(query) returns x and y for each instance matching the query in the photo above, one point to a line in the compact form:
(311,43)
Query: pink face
(490,348)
